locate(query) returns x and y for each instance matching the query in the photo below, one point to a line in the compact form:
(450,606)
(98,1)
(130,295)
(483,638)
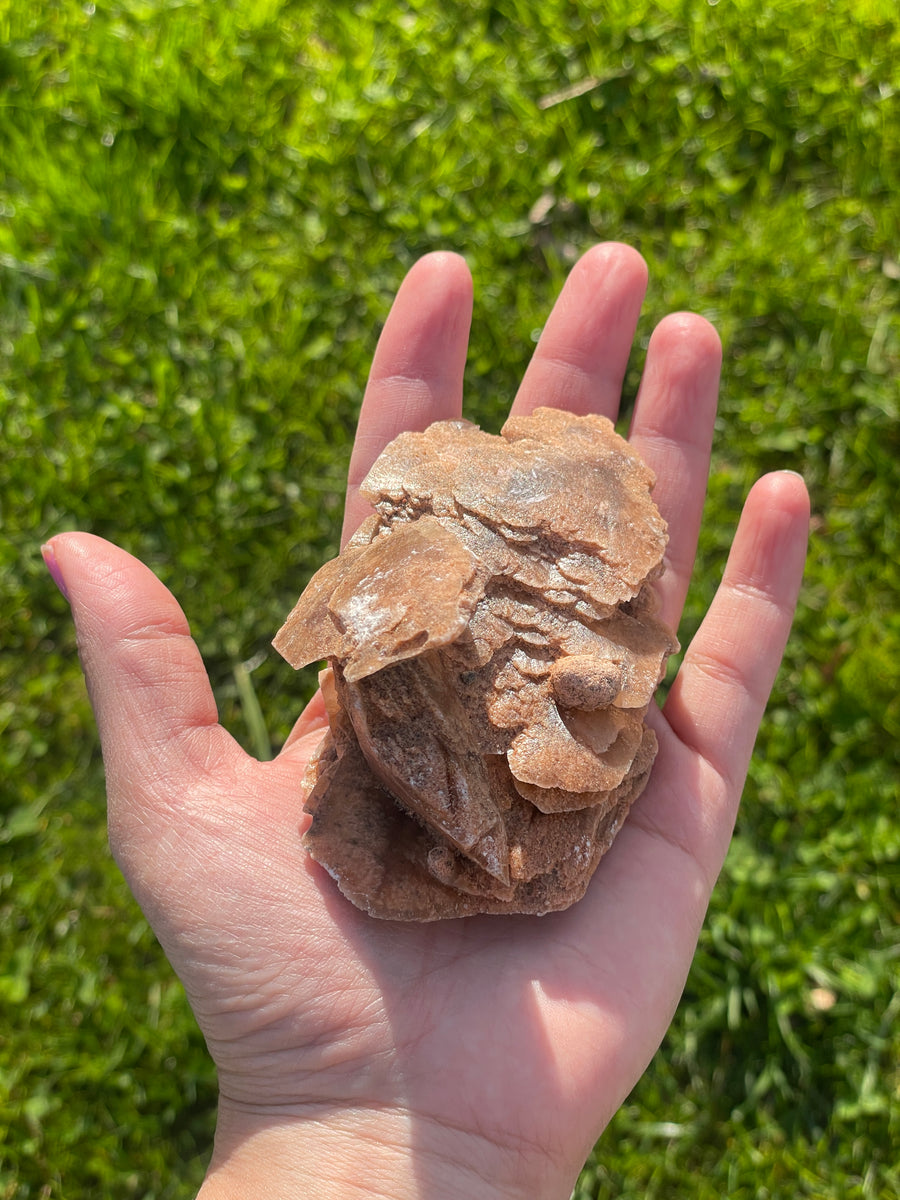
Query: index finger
(417,371)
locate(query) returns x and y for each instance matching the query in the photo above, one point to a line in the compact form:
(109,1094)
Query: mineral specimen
(493,649)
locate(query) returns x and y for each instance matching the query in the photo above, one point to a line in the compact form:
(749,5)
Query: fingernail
(53,567)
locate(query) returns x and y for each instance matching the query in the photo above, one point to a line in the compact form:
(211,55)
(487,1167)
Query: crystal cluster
(493,649)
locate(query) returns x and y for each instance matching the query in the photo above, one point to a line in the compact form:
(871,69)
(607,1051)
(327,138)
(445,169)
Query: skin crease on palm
(478,1057)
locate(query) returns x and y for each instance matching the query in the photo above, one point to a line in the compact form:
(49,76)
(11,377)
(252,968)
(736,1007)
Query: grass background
(204,212)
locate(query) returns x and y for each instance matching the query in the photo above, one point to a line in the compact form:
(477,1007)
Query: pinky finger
(717,700)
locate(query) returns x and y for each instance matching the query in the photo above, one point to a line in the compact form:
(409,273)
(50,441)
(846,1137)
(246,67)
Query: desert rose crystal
(493,649)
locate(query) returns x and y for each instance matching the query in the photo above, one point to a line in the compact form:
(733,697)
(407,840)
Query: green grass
(204,212)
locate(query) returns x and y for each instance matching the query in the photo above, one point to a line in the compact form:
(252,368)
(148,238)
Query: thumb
(151,696)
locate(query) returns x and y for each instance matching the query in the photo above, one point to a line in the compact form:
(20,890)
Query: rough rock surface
(493,650)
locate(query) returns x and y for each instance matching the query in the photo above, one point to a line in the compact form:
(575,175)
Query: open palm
(473,1057)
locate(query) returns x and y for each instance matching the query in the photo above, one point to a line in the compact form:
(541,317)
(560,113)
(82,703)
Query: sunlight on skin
(479,1057)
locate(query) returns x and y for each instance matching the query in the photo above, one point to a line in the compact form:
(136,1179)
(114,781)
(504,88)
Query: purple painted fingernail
(53,567)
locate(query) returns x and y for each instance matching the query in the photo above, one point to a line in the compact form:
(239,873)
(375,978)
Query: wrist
(283,1157)
(344,1155)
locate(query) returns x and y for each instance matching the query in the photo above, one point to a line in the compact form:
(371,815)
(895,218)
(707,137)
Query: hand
(477,1057)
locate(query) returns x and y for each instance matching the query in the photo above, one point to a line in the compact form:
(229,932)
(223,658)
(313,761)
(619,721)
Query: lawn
(205,210)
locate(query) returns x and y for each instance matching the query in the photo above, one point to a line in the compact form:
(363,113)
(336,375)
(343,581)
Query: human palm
(473,1057)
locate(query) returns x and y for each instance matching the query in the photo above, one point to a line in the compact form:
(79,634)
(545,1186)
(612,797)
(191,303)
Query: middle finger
(580,360)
